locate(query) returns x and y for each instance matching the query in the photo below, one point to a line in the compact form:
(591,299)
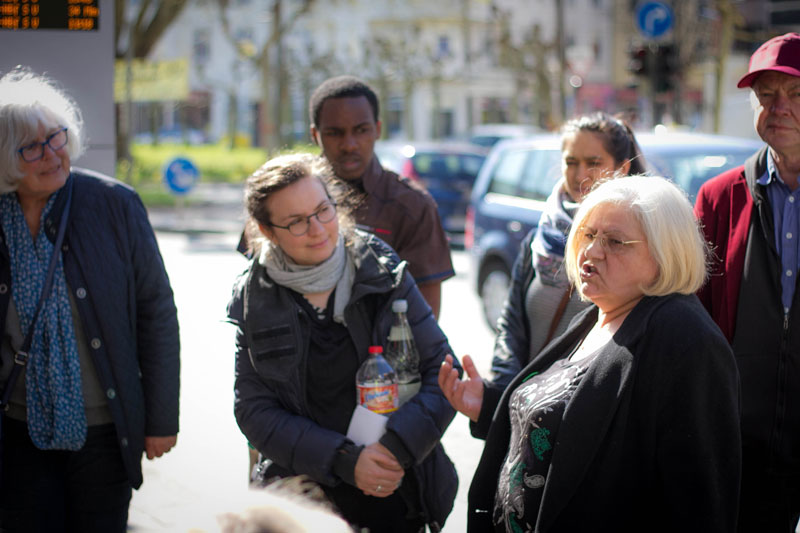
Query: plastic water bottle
(402,354)
(376,383)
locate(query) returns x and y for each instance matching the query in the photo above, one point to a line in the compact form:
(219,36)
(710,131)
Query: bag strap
(21,357)
(562,306)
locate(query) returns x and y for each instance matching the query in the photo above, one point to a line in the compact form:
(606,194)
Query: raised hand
(466,396)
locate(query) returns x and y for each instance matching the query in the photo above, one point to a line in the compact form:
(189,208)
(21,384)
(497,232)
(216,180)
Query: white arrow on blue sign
(654,19)
(181,175)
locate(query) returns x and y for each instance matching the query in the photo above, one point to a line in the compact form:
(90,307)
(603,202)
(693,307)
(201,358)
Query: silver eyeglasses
(612,244)
(35,150)
(299,227)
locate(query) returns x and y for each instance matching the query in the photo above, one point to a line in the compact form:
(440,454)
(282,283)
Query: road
(206,473)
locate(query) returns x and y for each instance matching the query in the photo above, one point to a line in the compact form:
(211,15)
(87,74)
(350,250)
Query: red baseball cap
(781,54)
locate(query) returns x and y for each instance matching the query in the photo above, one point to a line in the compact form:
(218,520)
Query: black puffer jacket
(272,349)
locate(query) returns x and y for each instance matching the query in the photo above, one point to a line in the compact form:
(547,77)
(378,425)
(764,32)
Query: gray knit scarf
(337,271)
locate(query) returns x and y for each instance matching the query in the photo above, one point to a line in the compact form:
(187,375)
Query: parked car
(519,174)
(490,134)
(446,169)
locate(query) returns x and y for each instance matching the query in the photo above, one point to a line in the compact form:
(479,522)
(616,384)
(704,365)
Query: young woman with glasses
(316,296)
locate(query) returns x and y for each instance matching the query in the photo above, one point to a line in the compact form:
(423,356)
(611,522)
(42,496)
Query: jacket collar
(754,168)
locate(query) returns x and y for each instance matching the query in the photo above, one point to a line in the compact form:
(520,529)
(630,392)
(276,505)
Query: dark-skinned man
(345,125)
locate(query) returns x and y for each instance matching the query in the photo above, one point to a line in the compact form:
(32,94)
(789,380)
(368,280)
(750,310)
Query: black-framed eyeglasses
(612,244)
(299,227)
(35,150)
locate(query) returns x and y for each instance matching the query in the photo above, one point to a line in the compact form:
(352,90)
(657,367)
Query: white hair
(673,235)
(28,102)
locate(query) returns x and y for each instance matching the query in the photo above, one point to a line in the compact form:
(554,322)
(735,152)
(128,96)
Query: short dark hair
(341,87)
(615,134)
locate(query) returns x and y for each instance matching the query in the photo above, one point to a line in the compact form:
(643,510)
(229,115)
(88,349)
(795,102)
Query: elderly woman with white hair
(89,353)
(629,420)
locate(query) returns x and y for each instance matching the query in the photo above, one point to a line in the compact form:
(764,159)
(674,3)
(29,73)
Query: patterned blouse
(536,408)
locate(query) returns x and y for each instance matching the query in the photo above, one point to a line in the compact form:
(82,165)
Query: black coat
(271,405)
(649,442)
(122,293)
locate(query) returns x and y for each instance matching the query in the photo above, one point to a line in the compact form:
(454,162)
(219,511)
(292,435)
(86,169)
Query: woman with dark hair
(541,301)
(316,296)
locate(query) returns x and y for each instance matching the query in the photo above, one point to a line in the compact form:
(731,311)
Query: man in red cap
(751,218)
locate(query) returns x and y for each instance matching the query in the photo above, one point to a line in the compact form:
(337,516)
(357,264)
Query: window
(201,47)
(508,172)
(541,174)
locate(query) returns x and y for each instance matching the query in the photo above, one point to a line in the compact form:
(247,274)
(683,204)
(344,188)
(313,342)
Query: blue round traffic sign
(181,175)
(654,19)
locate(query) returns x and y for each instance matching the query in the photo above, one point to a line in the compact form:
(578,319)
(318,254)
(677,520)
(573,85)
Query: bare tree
(690,43)
(526,59)
(729,18)
(310,67)
(150,20)
(135,37)
(270,60)
(401,57)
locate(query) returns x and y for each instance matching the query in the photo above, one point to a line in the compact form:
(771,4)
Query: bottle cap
(400,306)
(376,349)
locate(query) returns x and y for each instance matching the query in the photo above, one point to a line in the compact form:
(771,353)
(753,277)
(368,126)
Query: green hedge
(217,163)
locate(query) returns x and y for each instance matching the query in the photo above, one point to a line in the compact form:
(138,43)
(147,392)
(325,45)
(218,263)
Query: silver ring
(378,488)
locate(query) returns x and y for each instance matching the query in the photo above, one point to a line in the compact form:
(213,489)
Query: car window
(447,166)
(691,170)
(541,174)
(526,173)
(508,172)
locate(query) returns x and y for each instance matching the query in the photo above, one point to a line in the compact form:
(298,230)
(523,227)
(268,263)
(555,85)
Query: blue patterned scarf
(551,237)
(56,418)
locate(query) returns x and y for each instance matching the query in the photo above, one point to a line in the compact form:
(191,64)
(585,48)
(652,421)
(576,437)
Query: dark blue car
(446,169)
(519,174)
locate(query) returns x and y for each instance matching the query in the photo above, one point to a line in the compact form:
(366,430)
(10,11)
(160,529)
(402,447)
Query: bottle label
(397,333)
(380,399)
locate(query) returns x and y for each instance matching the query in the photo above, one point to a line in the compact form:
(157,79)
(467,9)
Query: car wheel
(493,289)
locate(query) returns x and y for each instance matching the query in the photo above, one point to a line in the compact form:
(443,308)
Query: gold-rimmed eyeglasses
(610,242)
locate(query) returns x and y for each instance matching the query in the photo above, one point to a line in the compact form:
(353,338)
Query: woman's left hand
(158,446)
(377,471)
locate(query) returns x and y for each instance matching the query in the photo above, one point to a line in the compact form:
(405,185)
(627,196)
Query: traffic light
(664,68)
(639,60)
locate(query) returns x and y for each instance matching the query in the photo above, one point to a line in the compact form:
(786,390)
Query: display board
(78,15)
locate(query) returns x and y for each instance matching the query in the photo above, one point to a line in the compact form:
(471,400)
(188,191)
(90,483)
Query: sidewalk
(208,208)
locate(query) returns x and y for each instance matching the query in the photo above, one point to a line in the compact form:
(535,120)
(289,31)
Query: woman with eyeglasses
(541,301)
(317,294)
(629,420)
(89,352)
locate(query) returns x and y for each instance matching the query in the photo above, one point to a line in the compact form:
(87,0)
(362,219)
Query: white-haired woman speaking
(628,421)
(89,353)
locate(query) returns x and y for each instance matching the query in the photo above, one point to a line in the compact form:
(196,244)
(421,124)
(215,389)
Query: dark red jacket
(724,206)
